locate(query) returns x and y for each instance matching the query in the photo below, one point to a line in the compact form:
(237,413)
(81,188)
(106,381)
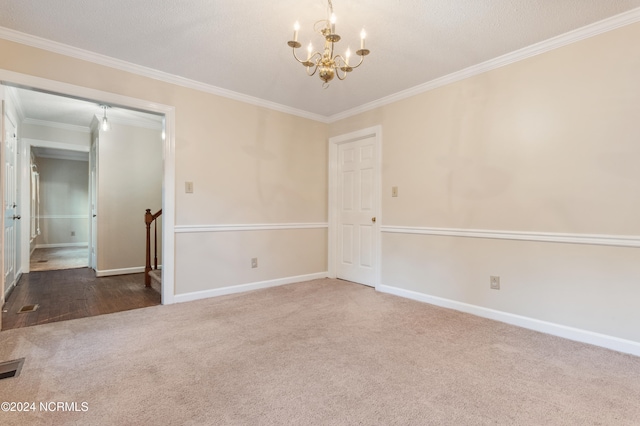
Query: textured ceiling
(240,45)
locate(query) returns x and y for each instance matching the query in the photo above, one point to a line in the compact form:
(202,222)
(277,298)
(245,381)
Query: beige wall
(548,144)
(298,251)
(129,182)
(248,165)
(64,201)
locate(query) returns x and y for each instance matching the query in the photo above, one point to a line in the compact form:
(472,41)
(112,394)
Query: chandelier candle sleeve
(325,62)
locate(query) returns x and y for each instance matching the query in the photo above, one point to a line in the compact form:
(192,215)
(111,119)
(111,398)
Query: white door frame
(168,180)
(93,202)
(376,133)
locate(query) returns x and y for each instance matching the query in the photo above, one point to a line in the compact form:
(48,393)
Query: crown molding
(16,102)
(72,127)
(55,145)
(605,25)
(96,58)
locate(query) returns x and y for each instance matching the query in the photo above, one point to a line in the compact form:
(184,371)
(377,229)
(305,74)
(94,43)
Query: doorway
(354,206)
(166,148)
(59,197)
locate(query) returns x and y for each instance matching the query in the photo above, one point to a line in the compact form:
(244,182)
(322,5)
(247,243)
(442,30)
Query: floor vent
(28,308)
(10,369)
(43,261)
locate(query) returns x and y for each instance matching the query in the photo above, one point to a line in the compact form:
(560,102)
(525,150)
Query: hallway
(74,293)
(53,259)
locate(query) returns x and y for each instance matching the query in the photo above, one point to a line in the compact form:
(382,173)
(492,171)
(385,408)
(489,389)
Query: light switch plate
(188,187)
(394,191)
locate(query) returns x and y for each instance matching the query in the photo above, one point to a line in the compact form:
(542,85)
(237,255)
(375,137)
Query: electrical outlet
(394,191)
(494,282)
(254,262)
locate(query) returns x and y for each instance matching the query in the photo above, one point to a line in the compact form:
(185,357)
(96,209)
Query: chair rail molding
(551,237)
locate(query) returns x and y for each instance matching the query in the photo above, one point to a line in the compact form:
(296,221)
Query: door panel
(356,211)
(10,202)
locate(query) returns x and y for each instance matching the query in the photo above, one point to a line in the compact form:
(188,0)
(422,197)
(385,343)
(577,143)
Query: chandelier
(326,64)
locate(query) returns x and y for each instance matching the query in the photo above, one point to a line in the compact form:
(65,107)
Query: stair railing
(148,220)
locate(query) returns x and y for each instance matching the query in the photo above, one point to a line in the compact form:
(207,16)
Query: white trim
(169,208)
(574,36)
(248,227)
(592,239)
(121,271)
(41,143)
(63,216)
(65,126)
(168,180)
(96,58)
(205,294)
(60,245)
(376,132)
(132,122)
(579,335)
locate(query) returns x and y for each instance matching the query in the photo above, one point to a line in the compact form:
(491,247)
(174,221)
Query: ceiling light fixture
(105,125)
(328,64)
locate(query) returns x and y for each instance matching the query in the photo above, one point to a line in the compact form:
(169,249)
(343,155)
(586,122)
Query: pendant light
(104,124)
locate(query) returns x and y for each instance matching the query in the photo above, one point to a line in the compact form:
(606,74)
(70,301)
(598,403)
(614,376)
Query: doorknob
(16,217)
(94,215)
(373,219)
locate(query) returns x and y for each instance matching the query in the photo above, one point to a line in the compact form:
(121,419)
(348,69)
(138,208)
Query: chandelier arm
(359,63)
(296,56)
(315,68)
(310,59)
(318,29)
(344,75)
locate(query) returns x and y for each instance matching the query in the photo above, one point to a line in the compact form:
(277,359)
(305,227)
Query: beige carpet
(53,259)
(324,352)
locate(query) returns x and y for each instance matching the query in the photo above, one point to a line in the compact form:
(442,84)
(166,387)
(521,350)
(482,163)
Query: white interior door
(10,202)
(357,227)
(93,201)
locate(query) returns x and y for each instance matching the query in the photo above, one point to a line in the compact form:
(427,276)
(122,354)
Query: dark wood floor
(74,293)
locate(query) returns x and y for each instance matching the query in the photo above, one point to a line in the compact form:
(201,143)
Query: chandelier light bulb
(309,50)
(333,23)
(347,55)
(363,35)
(296,28)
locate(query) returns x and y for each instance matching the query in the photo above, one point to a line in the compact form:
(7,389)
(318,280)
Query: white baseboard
(8,290)
(121,271)
(62,245)
(196,295)
(579,335)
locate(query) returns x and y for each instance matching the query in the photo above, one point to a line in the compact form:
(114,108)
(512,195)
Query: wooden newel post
(148,218)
